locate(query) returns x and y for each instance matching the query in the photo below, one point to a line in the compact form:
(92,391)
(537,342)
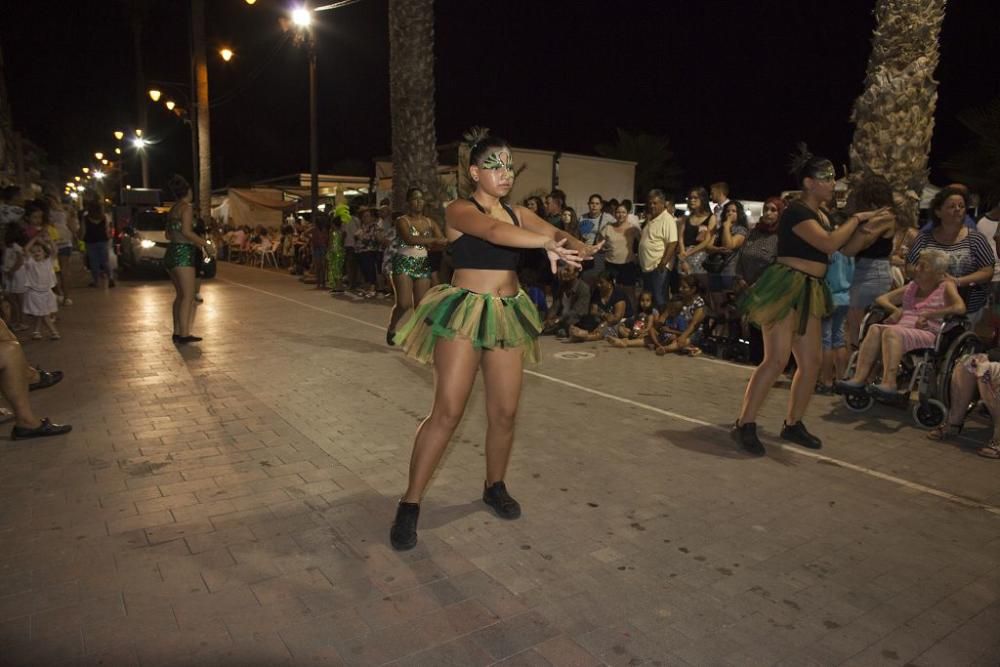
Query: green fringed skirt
(490,322)
(781,290)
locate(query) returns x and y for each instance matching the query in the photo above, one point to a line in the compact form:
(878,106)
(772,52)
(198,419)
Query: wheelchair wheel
(858,402)
(967,343)
(930,413)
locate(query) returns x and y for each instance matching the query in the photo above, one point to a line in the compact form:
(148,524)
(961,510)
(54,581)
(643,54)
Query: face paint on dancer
(500,159)
(496,172)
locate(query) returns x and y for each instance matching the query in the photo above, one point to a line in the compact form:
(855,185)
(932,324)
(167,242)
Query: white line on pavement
(914,486)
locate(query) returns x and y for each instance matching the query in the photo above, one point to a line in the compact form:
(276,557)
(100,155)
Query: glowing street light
(104,161)
(138,132)
(80,188)
(170,105)
(76,178)
(99,175)
(154,94)
(99,155)
(86,170)
(250,2)
(301,17)
(118,151)
(139,143)
(227,54)
(119,135)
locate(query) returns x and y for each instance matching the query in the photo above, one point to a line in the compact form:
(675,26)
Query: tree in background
(894,116)
(978,164)
(655,163)
(411,101)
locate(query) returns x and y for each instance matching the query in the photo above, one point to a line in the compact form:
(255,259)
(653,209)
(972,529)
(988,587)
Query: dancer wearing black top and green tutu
(790,299)
(481,320)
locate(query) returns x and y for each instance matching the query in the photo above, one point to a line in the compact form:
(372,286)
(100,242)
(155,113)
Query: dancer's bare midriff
(487,281)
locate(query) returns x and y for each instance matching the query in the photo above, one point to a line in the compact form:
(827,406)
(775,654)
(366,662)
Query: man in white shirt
(718,195)
(657,247)
(988,225)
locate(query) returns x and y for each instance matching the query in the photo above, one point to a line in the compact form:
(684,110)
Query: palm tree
(978,163)
(894,116)
(655,165)
(7,167)
(411,100)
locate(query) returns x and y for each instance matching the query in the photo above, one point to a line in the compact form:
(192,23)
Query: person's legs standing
(502,375)
(96,258)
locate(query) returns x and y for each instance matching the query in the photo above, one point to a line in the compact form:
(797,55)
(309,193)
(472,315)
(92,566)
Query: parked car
(143,242)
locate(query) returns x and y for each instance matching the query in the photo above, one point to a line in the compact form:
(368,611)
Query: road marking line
(914,486)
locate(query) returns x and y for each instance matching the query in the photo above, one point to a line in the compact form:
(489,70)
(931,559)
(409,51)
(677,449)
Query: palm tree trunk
(411,101)
(894,116)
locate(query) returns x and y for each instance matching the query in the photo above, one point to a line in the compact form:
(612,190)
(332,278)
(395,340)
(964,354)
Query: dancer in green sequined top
(180,258)
(411,269)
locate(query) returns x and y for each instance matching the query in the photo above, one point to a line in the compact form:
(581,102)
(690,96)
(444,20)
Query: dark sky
(733,84)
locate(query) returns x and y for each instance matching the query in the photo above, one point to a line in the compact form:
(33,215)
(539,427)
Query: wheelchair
(926,371)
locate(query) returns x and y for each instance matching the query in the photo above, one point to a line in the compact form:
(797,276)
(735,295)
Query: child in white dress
(40,278)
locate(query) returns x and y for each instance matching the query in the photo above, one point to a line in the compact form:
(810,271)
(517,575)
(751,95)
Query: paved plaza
(229,503)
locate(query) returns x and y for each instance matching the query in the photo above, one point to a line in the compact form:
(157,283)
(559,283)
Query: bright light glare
(73,195)
(79,188)
(147,244)
(119,135)
(170,105)
(86,170)
(76,178)
(227,54)
(301,17)
(139,143)
(250,2)
(99,175)
(138,132)
(154,95)
(118,151)
(104,161)
(99,155)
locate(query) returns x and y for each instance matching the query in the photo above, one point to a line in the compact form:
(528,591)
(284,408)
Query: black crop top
(691,234)
(791,244)
(881,249)
(472,252)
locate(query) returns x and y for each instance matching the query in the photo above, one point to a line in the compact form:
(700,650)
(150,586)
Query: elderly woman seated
(974,372)
(916,313)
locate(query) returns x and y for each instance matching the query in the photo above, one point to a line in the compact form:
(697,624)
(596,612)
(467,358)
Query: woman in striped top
(970,254)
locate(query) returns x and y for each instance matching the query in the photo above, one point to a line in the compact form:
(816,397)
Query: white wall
(581,176)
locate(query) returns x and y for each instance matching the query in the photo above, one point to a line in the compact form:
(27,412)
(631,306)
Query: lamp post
(302,18)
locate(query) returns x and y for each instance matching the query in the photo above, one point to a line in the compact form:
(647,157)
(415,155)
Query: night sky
(733,84)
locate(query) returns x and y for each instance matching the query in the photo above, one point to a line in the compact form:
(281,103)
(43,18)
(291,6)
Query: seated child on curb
(632,330)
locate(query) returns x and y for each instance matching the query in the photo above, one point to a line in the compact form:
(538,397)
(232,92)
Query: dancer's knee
(446,416)
(502,417)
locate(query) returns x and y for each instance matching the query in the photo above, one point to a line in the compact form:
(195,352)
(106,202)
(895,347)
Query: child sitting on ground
(632,330)
(686,315)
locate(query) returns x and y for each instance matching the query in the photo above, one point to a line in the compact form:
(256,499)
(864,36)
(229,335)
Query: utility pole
(202,110)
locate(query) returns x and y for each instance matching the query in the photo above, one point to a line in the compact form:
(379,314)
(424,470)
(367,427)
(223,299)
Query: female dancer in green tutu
(482,320)
(790,299)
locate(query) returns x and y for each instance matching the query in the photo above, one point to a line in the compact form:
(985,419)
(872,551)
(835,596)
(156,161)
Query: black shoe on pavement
(798,434)
(187,339)
(745,436)
(496,496)
(403,534)
(389,338)
(46,379)
(43,430)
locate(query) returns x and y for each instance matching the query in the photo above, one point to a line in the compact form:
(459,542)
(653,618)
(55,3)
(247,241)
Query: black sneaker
(745,436)
(43,430)
(390,338)
(496,496)
(798,434)
(403,534)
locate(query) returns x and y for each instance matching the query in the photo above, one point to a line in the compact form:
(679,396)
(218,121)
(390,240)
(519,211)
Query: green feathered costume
(335,255)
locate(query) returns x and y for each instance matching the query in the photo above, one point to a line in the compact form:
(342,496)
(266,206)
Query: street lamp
(170,104)
(118,151)
(227,54)
(99,175)
(138,143)
(99,155)
(86,170)
(119,135)
(301,17)
(154,94)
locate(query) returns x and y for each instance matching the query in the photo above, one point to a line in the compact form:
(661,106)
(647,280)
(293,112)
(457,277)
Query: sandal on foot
(944,432)
(46,379)
(991,450)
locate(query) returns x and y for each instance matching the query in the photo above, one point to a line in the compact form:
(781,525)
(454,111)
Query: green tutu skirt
(490,322)
(781,290)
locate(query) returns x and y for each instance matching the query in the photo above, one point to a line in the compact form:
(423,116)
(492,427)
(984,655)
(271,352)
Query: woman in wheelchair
(916,314)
